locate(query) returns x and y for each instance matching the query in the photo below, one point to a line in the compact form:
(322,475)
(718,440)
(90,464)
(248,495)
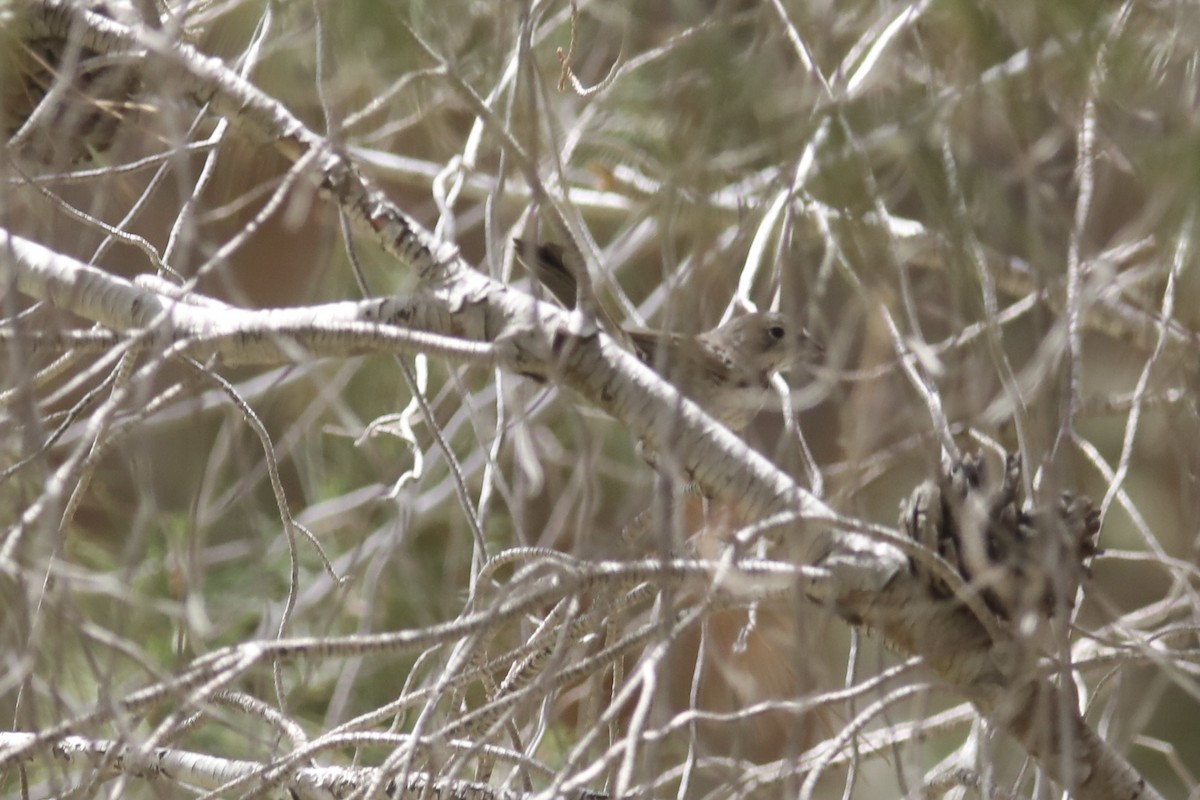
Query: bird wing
(682,358)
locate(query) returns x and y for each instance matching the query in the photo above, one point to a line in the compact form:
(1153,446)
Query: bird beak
(808,350)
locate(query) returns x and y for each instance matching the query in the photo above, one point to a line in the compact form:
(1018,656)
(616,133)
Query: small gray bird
(726,370)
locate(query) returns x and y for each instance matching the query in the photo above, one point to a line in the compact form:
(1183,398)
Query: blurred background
(1012,186)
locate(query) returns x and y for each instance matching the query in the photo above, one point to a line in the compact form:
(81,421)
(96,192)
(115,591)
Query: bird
(726,370)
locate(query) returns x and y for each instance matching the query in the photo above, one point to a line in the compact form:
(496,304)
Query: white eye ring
(775,332)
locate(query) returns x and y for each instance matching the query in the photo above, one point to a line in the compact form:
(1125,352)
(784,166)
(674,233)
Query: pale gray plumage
(727,370)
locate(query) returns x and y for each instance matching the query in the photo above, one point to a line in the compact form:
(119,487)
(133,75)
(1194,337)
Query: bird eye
(776,332)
